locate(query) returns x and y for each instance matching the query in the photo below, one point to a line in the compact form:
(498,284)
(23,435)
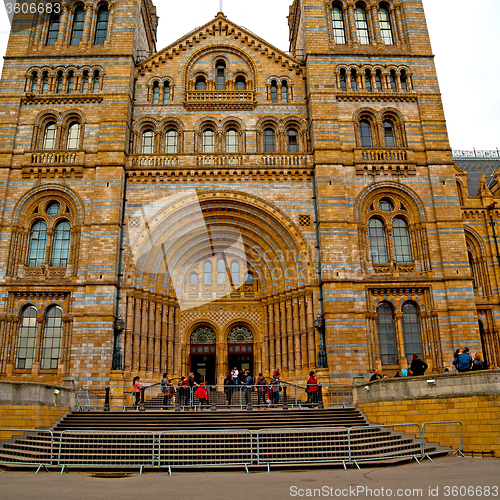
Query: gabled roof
(220,26)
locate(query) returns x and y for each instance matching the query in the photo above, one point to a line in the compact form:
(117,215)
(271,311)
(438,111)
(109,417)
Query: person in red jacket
(202,395)
(137,390)
(312,389)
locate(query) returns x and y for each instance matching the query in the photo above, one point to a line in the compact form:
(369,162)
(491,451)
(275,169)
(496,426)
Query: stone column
(398,316)
(303,330)
(289,334)
(310,331)
(136,335)
(283,335)
(265,343)
(296,331)
(277,334)
(272,350)
(129,327)
(163,339)
(170,337)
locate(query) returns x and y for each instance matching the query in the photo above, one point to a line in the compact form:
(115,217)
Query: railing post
(248,391)
(106,399)
(320,397)
(141,406)
(214,394)
(285,399)
(178,399)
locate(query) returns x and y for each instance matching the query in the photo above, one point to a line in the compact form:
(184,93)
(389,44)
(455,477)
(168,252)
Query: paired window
(222,273)
(208,138)
(338,24)
(279,90)
(101,31)
(170,139)
(53,31)
(362,25)
(78,24)
(148,139)
(385,25)
(50,139)
(387,339)
(269,140)
(389,139)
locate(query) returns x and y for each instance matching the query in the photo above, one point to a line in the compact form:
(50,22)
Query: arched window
(49,136)
(85,82)
(404,81)
(365,133)
(368,81)
(71,83)
(472,271)
(401,240)
(59,83)
(53,31)
(148,139)
(101,30)
(37,244)
(385,25)
(392,78)
(74,136)
(377,241)
(220,75)
(249,278)
(284,91)
(274,91)
(269,141)
(201,83)
(343,84)
(207,272)
(354,80)
(171,141)
(292,137)
(45,83)
(97,81)
(166,92)
(26,341)
(34,82)
(389,134)
(338,24)
(193,279)
(411,331)
(61,244)
(221,271)
(362,25)
(78,24)
(231,141)
(52,336)
(378,80)
(235,273)
(156,93)
(240,83)
(387,343)
(208,140)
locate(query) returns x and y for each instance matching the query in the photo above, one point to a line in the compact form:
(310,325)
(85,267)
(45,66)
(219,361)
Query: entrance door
(203,367)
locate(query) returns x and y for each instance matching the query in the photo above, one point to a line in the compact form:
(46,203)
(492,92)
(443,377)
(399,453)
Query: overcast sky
(465,39)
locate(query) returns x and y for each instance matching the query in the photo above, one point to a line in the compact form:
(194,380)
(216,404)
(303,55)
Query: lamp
(319,324)
(119,326)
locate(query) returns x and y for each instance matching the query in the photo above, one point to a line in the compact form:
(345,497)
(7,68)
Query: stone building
(223,203)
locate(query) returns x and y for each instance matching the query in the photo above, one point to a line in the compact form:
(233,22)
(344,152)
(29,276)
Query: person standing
(165,389)
(248,387)
(261,384)
(234,375)
(312,389)
(202,395)
(137,390)
(418,366)
(275,387)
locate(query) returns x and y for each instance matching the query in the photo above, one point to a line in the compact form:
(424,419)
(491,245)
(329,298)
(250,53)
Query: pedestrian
(229,388)
(192,384)
(478,363)
(418,366)
(276,373)
(183,391)
(275,390)
(166,389)
(234,375)
(261,384)
(463,361)
(248,388)
(202,395)
(376,376)
(312,390)
(137,390)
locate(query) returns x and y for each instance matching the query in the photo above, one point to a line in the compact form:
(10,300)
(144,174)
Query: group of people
(267,393)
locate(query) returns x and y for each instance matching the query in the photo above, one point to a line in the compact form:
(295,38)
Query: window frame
(63,246)
(77,29)
(269,140)
(338,24)
(361,23)
(148,148)
(51,40)
(385,25)
(99,30)
(387,340)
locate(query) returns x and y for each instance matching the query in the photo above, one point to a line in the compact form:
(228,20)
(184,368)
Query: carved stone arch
(233,119)
(462,190)
(46,115)
(268,120)
(32,70)
(73,113)
(479,270)
(369,112)
(191,327)
(392,112)
(172,121)
(472,236)
(240,332)
(141,124)
(207,120)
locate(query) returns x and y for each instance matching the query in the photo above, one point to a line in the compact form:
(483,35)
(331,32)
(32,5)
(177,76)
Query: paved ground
(471,477)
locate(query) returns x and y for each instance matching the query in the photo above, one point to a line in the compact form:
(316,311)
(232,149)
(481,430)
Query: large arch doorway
(240,349)
(202,354)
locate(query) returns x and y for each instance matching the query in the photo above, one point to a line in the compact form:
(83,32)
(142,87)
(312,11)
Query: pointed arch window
(37,244)
(148,138)
(240,83)
(26,341)
(365,133)
(274,91)
(269,141)
(338,24)
(208,140)
(201,83)
(231,141)
(49,136)
(387,343)
(362,25)
(220,75)
(377,241)
(101,31)
(171,141)
(53,31)
(221,271)
(284,91)
(52,337)
(389,134)
(166,92)
(401,240)
(74,136)
(368,81)
(78,24)
(61,244)
(385,25)
(156,93)
(207,272)
(292,140)
(235,273)
(411,331)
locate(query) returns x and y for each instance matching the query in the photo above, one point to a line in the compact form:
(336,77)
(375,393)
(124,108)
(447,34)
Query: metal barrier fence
(446,434)
(195,448)
(338,395)
(367,442)
(302,445)
(14,453)
(82,448)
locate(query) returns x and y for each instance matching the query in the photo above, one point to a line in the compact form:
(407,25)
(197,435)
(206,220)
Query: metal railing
(476,153)
(10,453)
(446,434)
(86,448)
(197,448)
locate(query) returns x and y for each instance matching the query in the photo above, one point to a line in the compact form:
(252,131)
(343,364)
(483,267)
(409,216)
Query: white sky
(465,38)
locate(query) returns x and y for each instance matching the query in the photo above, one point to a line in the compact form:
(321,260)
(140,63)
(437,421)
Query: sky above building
(465,39)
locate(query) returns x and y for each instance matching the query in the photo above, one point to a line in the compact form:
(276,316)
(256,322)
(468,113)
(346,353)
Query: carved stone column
(303,330)
(170,337)
(311,344)
(283,335)
(296,331)
(157,339)
(163,339)
(398,316)
(137,335)
(129,327)
(277,334)
(289,334)
(272,346)
(265,343)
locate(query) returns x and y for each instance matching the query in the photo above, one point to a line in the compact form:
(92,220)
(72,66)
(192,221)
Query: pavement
(447,478)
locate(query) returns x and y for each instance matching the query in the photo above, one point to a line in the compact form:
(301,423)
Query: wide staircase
(169,438)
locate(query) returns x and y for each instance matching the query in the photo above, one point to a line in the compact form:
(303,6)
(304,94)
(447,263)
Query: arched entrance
(202,354)
(240,349)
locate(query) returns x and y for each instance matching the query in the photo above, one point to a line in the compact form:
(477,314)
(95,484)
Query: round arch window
(53,208)
(386,205)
